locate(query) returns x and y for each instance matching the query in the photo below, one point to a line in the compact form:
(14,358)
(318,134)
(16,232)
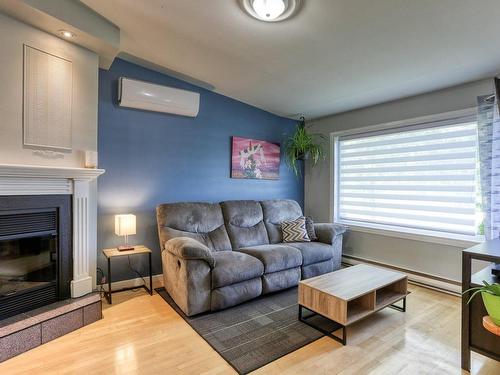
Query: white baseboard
(157,283)
(81,287)
(418,278)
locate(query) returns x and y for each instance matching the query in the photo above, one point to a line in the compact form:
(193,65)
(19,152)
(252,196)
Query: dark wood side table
(474,336)
(114,253)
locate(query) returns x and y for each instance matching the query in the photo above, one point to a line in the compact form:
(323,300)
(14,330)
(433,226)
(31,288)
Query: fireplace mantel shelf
(34,171)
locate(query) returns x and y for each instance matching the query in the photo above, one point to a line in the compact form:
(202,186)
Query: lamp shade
(124,225)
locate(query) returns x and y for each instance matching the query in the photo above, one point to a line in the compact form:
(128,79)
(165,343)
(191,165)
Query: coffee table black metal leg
(399,308)
(150,276)
(342,340)
(109,281)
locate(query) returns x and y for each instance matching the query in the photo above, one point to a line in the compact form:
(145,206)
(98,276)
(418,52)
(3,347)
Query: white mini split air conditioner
(151,97)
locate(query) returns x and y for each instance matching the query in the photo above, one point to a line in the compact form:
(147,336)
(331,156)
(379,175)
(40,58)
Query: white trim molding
(39,171)
(413,234)
(43,180)
(34,185)
(408,122)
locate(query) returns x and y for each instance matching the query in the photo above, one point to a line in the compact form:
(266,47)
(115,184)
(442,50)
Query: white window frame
(389,230)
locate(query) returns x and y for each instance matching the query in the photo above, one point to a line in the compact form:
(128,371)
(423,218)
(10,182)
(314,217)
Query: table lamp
(125,226)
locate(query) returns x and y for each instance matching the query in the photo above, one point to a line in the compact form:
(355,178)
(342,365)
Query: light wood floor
(141,334)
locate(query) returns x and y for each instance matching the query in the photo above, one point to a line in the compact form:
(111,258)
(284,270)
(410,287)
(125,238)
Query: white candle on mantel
(90,159)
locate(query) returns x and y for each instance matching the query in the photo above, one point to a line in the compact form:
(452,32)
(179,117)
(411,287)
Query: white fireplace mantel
(19,170)
(43,180)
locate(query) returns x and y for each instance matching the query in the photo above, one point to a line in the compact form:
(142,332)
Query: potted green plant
(491,299)
(303,146)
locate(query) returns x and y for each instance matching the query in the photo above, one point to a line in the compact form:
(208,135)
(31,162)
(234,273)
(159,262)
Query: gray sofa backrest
(199,220)
(275,212)
(244,223)
(228,225)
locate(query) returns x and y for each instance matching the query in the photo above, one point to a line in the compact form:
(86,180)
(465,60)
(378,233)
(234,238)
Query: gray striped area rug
(255,333)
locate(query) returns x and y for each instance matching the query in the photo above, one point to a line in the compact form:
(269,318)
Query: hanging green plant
(303,146)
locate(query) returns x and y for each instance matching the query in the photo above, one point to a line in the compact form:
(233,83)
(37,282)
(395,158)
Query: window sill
(413,234)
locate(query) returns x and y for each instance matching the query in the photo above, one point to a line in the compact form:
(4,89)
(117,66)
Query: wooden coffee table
(350,294)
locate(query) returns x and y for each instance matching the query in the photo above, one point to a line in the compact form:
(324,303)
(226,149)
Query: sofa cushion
(311,232)
(198,220)
(234,294)
(275,212)
(276,257)
(317,269)
(232,267)
(189,249)
(295,231)
(313,252)
(244,223)
(273,282)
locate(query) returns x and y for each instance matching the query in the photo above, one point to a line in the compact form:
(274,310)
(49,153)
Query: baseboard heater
(425,280)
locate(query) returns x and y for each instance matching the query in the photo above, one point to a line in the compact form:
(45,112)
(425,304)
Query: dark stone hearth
(20,342)
(23,332)
(15,324)
(61,325)
(92,313)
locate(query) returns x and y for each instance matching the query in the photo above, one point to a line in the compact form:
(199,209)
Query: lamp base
(125,248)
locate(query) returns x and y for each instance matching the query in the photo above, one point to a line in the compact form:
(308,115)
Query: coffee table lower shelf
(343,339)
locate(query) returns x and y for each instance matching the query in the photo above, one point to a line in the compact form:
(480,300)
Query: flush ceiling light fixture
(67,34)
(271,10)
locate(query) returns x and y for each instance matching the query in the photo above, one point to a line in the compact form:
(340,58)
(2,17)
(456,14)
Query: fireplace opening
(35,252)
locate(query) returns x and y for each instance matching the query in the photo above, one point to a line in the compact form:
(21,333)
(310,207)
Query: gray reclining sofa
(216,255)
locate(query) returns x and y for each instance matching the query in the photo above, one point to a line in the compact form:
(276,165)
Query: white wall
(13,34)
(435,259)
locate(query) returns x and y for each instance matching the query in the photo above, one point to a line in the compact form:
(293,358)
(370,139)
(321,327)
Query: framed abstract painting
(255,159)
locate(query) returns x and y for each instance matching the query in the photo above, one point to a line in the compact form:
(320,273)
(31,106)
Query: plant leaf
(472,289)
(473,295)
(493,289)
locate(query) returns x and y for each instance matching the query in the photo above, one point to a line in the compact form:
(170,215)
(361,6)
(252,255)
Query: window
(420,178)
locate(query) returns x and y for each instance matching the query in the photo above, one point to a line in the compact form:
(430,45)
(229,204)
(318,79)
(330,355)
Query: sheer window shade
(421,177)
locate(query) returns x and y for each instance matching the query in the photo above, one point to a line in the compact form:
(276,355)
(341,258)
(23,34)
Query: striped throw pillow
(295,231)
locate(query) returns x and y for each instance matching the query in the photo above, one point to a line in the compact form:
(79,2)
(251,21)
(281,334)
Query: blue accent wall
(152,158)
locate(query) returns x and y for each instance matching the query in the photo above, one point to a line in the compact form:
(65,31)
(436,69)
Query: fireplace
(35,252)
(77,242)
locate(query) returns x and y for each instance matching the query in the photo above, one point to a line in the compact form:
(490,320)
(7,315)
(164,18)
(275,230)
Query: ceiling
(334,56)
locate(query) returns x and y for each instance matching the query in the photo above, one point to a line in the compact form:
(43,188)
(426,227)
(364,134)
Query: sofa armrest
(189,249)
(326,232)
